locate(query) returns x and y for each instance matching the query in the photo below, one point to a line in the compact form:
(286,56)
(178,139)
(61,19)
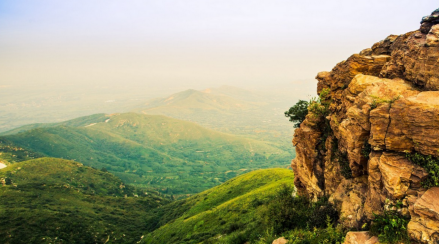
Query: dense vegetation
(256,207)
(52,200)
(11,153)
(61,201)
(430,164)
(227,212)
(391,227)
(176,157)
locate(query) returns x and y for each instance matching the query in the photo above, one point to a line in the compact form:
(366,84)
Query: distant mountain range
(173,156)
(228,109)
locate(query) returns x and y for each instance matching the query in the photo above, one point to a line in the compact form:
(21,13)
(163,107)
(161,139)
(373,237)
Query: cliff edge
(374,144)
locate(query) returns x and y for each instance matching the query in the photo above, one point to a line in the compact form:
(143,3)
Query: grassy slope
(11,153)
(222,213)
(50,200)
(178,157)
(81,121)
(227,109)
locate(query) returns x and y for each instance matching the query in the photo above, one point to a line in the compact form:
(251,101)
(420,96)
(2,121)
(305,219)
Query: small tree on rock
(297,113)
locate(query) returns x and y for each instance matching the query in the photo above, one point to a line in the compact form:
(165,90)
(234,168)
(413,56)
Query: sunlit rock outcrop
(384,104)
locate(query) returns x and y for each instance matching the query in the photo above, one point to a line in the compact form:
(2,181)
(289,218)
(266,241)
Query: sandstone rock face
(281,240)
(384,103)
(360,237)
(424,224)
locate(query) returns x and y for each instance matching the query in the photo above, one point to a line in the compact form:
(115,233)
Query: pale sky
(190,43)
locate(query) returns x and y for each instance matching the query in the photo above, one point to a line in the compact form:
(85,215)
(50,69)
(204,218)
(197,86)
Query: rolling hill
(11,153)
(174,156)
(193,101)
(50,200)
(228,109)
(224,213)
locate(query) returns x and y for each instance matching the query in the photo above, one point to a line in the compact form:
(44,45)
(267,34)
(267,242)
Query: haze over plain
(85,57)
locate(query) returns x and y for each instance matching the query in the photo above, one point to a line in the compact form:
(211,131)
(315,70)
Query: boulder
(424,225)
(281,240)
(360,237)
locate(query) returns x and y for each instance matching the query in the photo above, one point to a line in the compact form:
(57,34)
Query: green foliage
(297,113)
(317,106)
(390,227)
(430,164)
(173,156)
(59,201)
(51,199)
(329,235)
(320,106)
(233,212)
(11,153)
(286,212)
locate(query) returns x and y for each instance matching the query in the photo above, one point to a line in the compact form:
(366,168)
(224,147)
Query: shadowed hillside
(51,200)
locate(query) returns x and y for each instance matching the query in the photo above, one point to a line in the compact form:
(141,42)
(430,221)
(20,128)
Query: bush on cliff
(430,164)
(317,106)
(320,106)
(286,212)
(391,227)
(297,113)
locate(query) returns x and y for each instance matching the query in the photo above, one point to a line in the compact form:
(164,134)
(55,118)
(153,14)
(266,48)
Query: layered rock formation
(383,104)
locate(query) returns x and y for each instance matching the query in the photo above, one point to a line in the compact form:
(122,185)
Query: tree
(297,113)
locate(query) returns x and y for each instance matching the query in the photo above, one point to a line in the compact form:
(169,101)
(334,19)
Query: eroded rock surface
(384,103)
(360,237)
(424,224)
(281,240)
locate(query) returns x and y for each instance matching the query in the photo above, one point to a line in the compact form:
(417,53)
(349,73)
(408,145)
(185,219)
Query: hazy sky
(190,43)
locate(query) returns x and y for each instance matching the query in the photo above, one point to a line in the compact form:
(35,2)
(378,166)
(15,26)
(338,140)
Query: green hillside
(11,153)
(226,210)
(50,200)
(81,121)
(228,109)
(177,157)
(256,207)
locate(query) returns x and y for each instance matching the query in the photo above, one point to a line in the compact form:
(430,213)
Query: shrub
(430,164)
(320,106)
(329,235)
(286,212)
(390,227)
(297,113)
(317,106)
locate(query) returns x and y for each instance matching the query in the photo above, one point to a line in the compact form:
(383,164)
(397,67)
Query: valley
(50,200)
(172,156)
(219,122)
(215,157)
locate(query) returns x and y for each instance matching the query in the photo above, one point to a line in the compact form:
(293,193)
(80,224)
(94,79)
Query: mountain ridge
(153,150)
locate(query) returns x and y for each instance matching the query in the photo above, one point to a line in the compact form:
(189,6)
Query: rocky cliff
(374,142)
